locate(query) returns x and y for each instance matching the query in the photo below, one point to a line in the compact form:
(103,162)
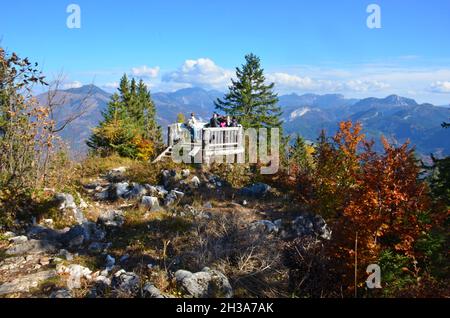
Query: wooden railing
(213,141)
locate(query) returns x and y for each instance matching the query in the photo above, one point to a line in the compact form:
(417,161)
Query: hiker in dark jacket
(234,122)
(214,122)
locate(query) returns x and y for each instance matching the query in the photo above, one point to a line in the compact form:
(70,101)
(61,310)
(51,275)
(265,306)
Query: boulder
(111,218)
(18,239)
(126,282)
(66,254)
(169,178)
(118,190)
(156,191)
(23,284)
(75,273)
(173,197)
(81,234)
(65,201)
(135,191)
(150,291)
(151,203)
(67,205)
(32,247)
(40,232)
(110,262)
(204,284)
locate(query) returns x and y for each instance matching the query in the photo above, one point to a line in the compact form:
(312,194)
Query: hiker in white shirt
(193,126)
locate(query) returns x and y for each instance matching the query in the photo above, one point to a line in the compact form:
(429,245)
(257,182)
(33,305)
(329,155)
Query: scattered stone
(169,178)
(65,201)
(9,234)
(103,279)
(56,260)
(185,173)
(119,190)
(156,191)
(83,204)
(67,255)
(23,284)
(127,282)
(135,191)
(111,218)
(76,273)
(32,247)
(18,239)
(195,182)
(44,261)
(204,284)
(151,202)
(92,185)
(84,233)
(61,293)
(110,262)
(150,291)
(173,197)
(67,205)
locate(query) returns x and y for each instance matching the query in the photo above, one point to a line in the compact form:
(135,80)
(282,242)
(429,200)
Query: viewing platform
(211,144)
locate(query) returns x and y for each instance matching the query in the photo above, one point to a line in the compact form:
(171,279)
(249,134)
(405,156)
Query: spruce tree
(152,130)
(298,153)
(250,99)
(129,125)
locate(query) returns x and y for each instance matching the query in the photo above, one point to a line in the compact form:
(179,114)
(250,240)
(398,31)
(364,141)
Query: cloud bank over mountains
(430,84)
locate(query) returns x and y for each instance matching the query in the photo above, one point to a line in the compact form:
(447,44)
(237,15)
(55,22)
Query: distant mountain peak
(87,89)
(398,100)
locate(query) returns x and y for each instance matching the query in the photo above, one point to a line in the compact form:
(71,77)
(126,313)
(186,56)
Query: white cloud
(364,86)
(202,72)
(145,72)
(286,82)
(74,84)
(440,87)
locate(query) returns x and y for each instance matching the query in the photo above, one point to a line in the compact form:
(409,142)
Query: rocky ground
(190,236)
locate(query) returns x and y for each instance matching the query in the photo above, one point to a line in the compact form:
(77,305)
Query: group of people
(216,121)
(222,121)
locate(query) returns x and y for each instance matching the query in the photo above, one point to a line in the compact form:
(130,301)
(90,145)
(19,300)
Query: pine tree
(250,99)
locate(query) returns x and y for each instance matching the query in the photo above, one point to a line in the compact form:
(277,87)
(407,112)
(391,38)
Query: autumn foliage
(373,200)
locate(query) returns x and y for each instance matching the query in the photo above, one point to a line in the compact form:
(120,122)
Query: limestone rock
(204,284)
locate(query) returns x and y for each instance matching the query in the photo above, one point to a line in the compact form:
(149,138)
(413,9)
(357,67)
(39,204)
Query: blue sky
(305,46)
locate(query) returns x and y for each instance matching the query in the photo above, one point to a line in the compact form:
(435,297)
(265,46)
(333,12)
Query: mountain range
(395,117)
